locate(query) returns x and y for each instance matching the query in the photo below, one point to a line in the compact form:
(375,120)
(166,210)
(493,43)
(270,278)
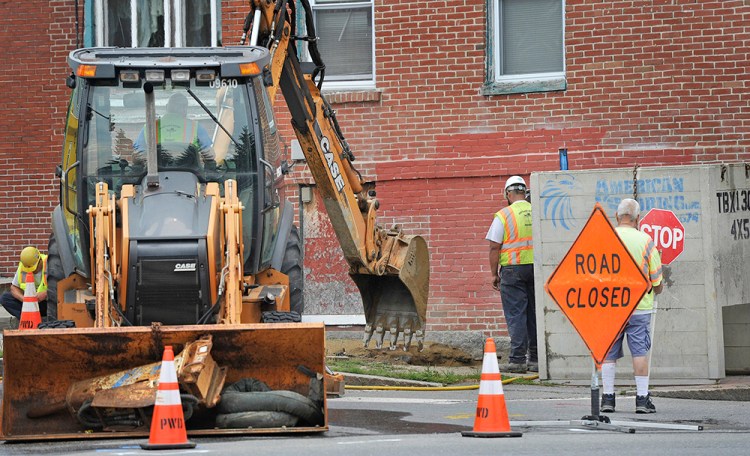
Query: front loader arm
(390,268)
(104,259)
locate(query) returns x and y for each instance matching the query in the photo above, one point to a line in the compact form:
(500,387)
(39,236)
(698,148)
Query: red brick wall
(649,82)
(35,40)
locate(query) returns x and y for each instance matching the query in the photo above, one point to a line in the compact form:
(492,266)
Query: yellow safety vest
(22,275)
(518,247)
(642,249)
(174,128)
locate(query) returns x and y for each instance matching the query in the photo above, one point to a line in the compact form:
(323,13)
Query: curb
(374,380)
(736,394)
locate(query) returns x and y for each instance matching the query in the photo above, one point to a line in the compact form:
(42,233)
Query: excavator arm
(390,268)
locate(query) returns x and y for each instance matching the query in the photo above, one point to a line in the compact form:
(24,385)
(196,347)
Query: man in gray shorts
(642,248)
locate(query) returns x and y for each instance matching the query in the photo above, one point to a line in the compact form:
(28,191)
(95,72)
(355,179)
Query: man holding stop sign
(643,250)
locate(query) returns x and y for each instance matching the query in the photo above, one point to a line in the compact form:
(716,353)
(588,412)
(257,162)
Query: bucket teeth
(420,340)
(395,326)
(379,336)
(407,338)
(394,337)
(368,335)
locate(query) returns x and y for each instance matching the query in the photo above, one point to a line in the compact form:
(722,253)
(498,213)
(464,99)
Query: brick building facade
(645,82)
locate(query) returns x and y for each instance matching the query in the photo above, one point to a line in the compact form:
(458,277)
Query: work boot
(533,366)
(513,368)
(643,404)
(608,403)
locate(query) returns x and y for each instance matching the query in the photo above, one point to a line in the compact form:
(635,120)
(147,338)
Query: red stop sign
(667,232)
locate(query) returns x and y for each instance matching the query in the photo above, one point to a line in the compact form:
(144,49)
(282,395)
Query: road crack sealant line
(433,388)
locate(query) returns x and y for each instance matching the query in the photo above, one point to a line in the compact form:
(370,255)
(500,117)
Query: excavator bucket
(81,383)
(396,301)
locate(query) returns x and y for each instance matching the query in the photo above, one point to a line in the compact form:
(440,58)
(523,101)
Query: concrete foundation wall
(710,274)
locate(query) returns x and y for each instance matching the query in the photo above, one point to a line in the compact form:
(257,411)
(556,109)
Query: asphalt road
(430,423)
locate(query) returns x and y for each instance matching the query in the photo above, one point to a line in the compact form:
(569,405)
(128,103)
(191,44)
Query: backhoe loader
(173,228)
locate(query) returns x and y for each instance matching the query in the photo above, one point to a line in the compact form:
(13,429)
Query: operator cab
(211,119)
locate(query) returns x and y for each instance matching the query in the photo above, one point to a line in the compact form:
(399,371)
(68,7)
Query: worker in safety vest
(175,132)
(512,268)
(31,260)
(638,328)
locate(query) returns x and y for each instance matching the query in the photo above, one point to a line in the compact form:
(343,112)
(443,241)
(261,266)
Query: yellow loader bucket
(57,381)
(395,297)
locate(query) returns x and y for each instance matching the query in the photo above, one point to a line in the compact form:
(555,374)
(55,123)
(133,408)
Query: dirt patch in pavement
(434,354)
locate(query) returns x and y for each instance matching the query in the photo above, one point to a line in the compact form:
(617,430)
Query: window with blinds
(345,30)
(530,36)
(527,43)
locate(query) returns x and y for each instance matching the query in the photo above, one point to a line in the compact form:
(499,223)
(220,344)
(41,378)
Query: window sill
(353,96)
(528,86)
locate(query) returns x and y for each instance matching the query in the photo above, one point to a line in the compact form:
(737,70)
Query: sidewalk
(733,388)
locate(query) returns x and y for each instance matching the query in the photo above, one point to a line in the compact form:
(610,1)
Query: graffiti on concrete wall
(557,201)
(666,193)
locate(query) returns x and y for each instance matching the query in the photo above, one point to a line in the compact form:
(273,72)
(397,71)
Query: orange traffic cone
(492,416)
(167,423)
(30,316)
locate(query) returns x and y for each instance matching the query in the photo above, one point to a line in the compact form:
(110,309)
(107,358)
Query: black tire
(250,395)
(260,420)
(57,324)
(280,317)
(55,273)
(292,266)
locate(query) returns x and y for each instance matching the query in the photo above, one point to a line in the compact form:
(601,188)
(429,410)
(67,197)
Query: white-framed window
(526,51)
(346,35)
(153,23)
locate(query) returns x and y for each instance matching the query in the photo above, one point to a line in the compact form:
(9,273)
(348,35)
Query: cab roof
(226,60)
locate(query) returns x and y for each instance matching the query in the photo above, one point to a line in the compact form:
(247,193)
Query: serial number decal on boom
(184,267)
(332,165)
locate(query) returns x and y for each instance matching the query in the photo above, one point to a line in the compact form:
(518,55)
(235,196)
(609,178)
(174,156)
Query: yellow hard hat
(29,259)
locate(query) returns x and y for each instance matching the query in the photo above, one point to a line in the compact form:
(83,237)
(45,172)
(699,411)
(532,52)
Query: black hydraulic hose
(246,26)
(203,320)
(279,12)
(312,44)
(126,322)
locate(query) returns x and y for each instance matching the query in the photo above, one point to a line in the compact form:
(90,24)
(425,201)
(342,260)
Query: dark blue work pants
(14,306)
(517,293)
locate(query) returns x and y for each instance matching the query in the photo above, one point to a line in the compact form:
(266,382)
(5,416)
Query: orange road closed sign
(597,284)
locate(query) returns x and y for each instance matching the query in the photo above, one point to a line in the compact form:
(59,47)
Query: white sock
(641,385)
(608,378)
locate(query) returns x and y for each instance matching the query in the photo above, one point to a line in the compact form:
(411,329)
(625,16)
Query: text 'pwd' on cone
(168,429)
(491,418)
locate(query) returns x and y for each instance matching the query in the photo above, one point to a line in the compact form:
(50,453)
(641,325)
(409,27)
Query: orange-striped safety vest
(518,247)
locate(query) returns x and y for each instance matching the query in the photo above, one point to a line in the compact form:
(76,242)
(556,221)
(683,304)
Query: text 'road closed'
(605,296)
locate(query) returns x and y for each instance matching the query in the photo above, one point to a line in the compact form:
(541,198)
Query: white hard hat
(515,180)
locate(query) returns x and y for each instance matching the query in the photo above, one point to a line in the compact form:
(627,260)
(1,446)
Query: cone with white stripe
(30,316)
(492,416)
(168,422)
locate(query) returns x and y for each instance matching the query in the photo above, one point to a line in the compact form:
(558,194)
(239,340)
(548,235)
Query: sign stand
(595,420)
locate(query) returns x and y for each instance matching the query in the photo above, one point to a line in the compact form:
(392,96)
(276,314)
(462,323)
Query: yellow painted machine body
(193,245)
